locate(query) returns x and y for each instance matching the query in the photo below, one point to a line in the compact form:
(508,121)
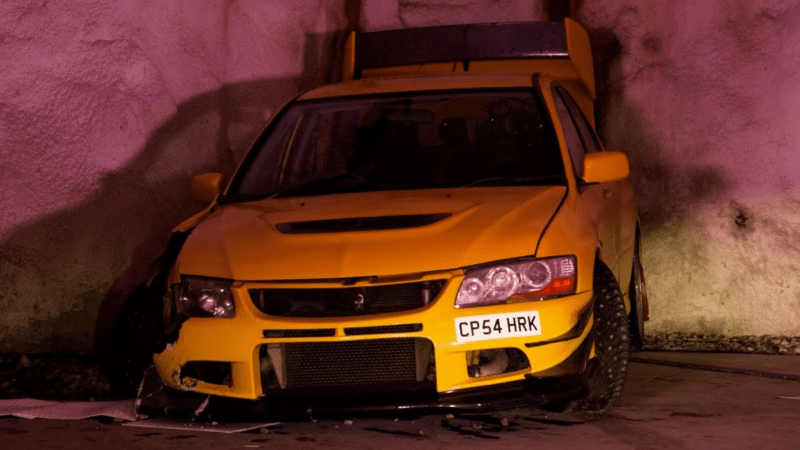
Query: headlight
(531,279)
(204,297)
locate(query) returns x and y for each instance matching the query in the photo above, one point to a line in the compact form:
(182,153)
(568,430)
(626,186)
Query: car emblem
(359,302)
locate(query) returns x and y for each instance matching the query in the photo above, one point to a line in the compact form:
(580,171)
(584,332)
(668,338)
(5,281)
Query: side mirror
(206,186)
(602,167)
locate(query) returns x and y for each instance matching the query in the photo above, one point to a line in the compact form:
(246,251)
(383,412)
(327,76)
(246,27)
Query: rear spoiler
(465,43)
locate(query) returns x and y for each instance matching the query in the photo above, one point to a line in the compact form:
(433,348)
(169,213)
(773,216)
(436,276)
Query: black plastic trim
(452,43)
(575,332)
(383,329)
(575,363)
(538,89)
(529,392)
(378,223)
(315,332)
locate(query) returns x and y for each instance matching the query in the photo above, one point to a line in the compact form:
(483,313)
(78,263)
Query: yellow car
(441,228)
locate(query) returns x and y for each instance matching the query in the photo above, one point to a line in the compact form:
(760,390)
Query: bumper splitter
(158,400)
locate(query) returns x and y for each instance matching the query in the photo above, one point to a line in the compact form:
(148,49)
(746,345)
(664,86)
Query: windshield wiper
(514,181)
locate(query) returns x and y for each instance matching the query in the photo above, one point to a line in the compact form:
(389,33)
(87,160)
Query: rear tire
(607,372)
(638,296)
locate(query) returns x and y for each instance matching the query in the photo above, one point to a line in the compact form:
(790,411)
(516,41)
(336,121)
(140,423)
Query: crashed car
(443,227)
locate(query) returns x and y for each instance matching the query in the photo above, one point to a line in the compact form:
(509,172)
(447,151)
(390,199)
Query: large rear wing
(442,48)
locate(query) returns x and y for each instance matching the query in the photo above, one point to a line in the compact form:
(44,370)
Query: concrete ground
(662,407)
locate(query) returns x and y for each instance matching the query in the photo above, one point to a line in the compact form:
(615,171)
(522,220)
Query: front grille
(345,301)
(382,364)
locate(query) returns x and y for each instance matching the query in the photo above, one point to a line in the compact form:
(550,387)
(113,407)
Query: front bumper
(562,348)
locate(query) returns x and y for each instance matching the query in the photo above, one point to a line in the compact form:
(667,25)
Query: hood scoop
(360,224)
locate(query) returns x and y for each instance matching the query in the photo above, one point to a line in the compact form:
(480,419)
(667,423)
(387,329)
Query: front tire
(607,371)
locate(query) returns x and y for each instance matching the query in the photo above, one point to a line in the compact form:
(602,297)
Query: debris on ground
(54,377)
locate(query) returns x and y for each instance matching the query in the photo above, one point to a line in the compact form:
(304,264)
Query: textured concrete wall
(107,108)
(705,96)
(390,14)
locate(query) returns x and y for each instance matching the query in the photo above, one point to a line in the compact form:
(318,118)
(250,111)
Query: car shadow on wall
(64,277)
(666,188)
(662,190)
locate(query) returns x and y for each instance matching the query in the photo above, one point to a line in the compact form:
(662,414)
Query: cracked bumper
(562,348)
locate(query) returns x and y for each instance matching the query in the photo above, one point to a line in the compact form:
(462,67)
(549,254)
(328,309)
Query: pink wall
(107,108)
(705,96)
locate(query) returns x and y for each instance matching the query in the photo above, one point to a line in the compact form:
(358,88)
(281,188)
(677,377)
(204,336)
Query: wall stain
(652,44)
(742,218)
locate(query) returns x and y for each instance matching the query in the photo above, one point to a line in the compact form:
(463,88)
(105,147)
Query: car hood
(369,234)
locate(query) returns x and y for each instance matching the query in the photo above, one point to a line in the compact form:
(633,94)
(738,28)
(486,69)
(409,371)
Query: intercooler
(363,365)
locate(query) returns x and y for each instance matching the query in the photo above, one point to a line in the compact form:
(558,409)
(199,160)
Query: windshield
(455,139)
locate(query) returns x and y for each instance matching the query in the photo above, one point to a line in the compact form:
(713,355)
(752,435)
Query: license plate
(498,326)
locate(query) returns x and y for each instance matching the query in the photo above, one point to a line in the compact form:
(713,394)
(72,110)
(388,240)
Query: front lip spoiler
(545,393)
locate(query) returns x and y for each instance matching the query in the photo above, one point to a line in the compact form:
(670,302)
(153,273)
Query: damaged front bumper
(156,399)
(265,361)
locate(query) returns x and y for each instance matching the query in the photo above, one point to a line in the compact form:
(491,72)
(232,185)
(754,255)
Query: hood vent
(360,224)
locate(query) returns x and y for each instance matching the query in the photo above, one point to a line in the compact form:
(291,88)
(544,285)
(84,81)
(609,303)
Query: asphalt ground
(681,401)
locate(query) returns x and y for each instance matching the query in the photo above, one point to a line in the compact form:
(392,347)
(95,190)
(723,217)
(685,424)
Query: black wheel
(607,371)
(638,296)
(138,332)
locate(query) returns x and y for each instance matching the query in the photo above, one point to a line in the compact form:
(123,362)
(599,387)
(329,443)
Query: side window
(588,136)
(574,142)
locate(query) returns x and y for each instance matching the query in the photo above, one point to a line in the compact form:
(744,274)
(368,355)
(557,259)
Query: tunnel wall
(107,108)
(704,96)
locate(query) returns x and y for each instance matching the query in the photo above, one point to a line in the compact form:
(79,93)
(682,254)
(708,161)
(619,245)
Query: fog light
(213,372)
(496,361)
